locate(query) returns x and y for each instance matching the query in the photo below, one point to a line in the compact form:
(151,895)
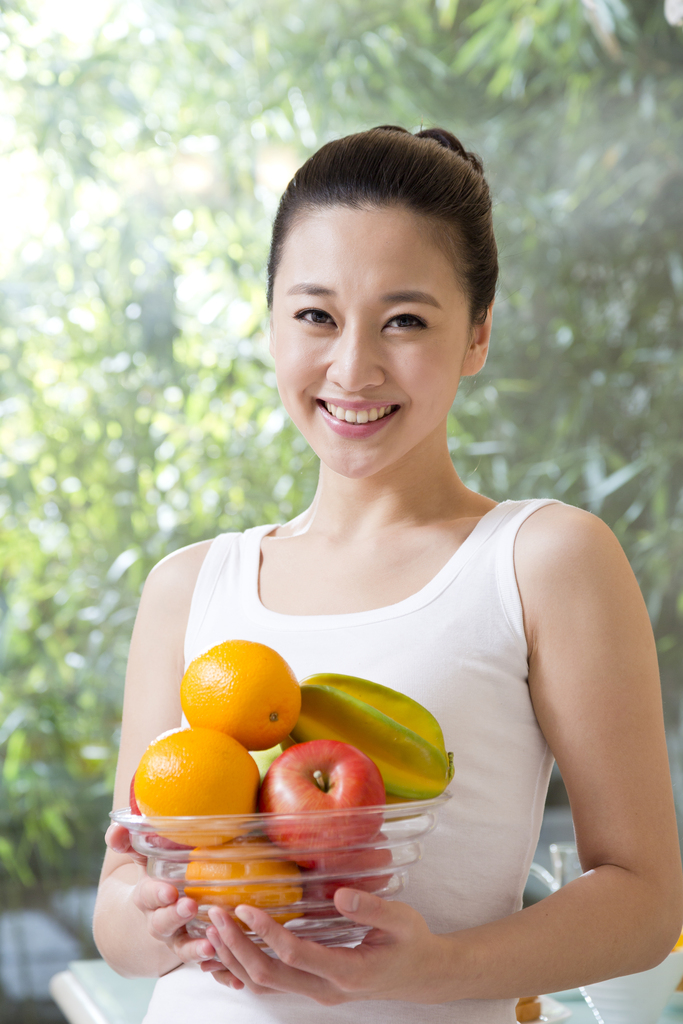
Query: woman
(519,625)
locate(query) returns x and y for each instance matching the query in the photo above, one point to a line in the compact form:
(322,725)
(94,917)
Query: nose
(355,361)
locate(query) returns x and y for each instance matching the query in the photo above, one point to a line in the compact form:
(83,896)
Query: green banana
(412,766)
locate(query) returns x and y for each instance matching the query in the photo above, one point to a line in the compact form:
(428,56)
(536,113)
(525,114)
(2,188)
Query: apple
(134,809)
(322,775)
(346,862)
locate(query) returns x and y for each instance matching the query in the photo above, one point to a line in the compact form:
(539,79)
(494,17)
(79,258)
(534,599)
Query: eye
(314,316)
(407,320)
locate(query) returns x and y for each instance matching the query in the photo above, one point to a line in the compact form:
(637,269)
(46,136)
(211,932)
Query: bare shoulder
(165,602)
(567,558)
(567,539)
(175,576)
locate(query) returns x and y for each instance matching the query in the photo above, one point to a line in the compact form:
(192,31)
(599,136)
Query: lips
(356,421)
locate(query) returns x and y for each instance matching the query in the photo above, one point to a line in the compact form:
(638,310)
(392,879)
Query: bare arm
(594,684)
(126,897)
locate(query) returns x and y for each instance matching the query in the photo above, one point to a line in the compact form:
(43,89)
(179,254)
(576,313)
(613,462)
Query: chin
(362,459)
(354,467)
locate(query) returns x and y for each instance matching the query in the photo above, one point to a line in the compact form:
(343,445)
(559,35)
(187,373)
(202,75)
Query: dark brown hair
(430,173)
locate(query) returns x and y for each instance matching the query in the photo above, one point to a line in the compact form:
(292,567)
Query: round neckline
(257,611)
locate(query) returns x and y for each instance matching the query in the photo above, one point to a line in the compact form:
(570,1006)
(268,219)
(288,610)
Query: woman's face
(370,333)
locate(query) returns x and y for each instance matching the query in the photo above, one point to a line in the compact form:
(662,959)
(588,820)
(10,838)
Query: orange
(270,885)
(243,689)
(196,771)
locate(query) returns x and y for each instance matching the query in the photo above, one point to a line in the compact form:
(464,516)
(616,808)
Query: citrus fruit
(196,771)
(271,885)
(244,689)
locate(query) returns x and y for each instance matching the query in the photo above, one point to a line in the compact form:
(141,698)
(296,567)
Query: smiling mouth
(360,415)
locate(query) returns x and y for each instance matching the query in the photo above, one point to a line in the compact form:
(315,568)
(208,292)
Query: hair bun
(449,141)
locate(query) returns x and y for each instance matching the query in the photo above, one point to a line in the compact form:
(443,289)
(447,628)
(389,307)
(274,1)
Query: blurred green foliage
(143,147)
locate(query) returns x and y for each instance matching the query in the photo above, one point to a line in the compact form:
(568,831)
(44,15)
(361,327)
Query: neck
(420,489)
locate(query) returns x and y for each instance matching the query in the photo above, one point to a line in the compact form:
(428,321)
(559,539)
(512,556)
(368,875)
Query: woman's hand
(117,838)
(399,959)
(166,915)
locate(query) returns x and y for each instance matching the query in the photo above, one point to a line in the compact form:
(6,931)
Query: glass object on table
(635,998)
(565,864)
(565,861)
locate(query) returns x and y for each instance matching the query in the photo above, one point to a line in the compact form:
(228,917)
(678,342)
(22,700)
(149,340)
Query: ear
(478,349)
(271,336)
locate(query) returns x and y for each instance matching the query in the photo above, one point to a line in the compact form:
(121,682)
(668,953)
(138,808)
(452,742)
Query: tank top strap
(208,579)
(517,513)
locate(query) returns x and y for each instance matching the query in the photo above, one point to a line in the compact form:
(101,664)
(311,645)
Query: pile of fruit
(260,741)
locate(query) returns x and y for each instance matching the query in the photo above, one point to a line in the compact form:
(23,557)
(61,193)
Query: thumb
(117,838)
(365,908)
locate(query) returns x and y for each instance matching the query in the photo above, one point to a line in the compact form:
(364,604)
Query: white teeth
(362,416)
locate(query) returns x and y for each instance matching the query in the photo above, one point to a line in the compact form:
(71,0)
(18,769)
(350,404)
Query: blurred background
(143,149)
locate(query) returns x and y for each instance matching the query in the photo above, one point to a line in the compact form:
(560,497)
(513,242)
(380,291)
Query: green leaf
(448,12)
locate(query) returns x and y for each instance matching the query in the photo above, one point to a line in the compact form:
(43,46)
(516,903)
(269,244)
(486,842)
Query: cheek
(295,371)
(432,377)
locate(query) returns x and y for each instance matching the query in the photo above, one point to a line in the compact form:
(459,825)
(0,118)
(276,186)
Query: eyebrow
(412,296)
(406,296)
(310,289)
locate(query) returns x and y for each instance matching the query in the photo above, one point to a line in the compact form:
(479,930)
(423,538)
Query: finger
(220,939)
(167,921)
(286,974)
(224,977)
(191,950)
(117,839)
(213,966)
(303,957)
(151,895)
(394,918)
(166,911)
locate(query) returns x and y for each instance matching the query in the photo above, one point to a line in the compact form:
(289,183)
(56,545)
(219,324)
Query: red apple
(347,863)
(134,809)
(322,775)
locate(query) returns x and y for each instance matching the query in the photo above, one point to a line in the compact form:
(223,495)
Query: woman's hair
(429,173)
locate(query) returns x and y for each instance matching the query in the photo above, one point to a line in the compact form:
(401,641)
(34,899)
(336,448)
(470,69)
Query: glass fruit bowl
(287,864)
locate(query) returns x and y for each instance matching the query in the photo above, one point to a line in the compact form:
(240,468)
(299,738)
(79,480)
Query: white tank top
(458,647)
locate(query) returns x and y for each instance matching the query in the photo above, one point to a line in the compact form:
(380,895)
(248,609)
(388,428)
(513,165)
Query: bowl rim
(394,811)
